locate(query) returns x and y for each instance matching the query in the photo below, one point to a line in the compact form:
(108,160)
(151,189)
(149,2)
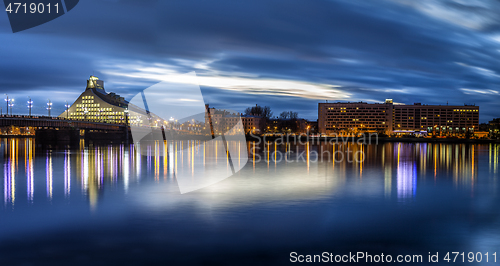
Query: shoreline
(292,138)
(373,140)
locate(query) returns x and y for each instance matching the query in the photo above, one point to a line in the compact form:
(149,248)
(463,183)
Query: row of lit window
(96,110)
(88,101)
(97,113)
(351,108)
(88,105)
(362,120)
(93,117)
(88,97)
(358,116)
(356,112)
(350,122)
(463,110)
(424,117)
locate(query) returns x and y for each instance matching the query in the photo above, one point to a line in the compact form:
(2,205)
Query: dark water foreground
(110,205)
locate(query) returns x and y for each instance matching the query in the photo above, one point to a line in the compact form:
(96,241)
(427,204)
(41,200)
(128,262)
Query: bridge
(47,128)
(48,122)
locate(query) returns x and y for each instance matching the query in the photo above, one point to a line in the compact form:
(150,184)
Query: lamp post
(67,109)
(11,105)
(126,117)
(30,105)
(49,106)
(7,102)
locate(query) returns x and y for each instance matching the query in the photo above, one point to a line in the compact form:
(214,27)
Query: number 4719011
(471,257)
(32,8)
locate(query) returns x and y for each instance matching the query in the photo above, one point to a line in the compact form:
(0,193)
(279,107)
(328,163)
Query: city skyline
(9,104)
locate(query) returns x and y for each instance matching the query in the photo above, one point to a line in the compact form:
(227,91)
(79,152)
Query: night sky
(287,54)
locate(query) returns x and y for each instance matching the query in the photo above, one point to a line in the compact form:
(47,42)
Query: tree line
(265,111)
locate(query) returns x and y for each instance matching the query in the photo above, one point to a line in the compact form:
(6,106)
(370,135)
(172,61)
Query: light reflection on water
(287,194)
(90,169)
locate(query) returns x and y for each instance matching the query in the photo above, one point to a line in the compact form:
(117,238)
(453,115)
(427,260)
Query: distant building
(253,124)
(290,125)
(223,120)
(495,123)
(307,126)
(355,117)
(493,128)
(390,118)
(436,119)
(95,104)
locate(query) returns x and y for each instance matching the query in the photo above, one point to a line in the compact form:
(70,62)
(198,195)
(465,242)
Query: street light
(7,101)
(126,116)
(49,104)
(11,105)
(67,111)
(30,105)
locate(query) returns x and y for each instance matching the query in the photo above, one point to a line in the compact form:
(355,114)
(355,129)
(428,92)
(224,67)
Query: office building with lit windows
(390,118)
(436,119)
(95,104)
(350,118)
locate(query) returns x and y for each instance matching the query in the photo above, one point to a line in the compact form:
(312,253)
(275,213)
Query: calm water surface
(110,205)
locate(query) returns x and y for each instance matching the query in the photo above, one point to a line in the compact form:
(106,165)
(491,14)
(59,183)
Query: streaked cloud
(480,92)
(288,54)
(473,14)
(258,86)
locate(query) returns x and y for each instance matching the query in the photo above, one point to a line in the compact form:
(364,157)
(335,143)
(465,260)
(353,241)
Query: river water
(113,205)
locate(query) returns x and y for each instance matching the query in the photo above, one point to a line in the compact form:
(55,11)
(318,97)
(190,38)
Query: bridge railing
(56,118)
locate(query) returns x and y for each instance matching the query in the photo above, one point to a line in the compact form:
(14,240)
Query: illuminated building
(95,104)
(252,123)
(436,119)
(392,118)
(355,117)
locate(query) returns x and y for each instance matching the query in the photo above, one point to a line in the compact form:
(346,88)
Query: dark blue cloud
(372,50)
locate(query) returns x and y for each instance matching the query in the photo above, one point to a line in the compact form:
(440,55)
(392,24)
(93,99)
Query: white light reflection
(407,176)
(126,166)
(85,168)
(48,167)
(67,174)
(30,189)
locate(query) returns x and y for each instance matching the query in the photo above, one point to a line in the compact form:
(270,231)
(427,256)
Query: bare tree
(289,115)
(259,111)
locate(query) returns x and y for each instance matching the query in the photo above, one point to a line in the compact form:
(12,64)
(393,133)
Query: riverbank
(373,139)
(297,138)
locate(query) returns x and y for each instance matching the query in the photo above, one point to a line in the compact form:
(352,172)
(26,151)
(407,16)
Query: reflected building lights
(67,174)
(30,188)
(165,159)
(85,169)
(9,182)
(307,156)
(126,169)
(495,159)
(407,175)
(138,162)
(93,168)
(48,167)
